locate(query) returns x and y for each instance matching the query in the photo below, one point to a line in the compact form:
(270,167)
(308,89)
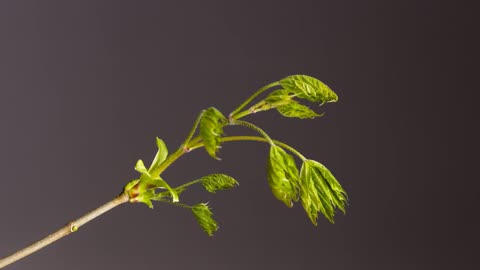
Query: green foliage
(309,88)
(146,198)
(297,86)
(203,214)
(314,185)
(140,167)
(282,175)
(281,95)
(160,183)
(143,189)
(320,191)
(161,154)
(215,182)
(211,130)
(295,109)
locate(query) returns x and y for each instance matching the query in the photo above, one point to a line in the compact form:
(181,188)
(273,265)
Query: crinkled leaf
(295,109)
(309,88)
(211,130)
(203,214)
(320,191)
(161,154)
(282,175)
(214,182)
(167,194)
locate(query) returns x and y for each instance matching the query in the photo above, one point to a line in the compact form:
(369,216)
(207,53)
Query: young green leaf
(214,182)
(282,175)
(203,214)
(145,197)
(160,183)
(211,130)
(140,167)
(161,155)
(320,191)
(295,109)
(339,195)
(309,88)
(273,100)
(279,96)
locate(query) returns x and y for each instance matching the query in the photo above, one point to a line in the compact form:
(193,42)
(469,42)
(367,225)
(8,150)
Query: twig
(64,231)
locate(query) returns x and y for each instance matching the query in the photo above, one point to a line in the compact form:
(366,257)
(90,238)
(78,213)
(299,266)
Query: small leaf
(279,96)
(211,130)
(160,183)
(320,191)
(282,175)
(214,182)
(145,197)
(167,194)
(309,88)
(140,167)
(161,155)
(203,214)
(295,109)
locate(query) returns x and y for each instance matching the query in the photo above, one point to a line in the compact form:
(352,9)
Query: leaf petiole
(255,139)
(245,103)
(253,127)
(260,106)
(192,131)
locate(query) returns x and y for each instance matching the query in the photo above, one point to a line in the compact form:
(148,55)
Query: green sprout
(313,185)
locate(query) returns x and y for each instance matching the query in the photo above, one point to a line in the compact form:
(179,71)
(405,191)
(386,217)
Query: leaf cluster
(295,87)
(143,189)
(314,185)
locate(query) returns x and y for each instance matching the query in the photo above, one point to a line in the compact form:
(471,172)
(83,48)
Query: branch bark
(64,231)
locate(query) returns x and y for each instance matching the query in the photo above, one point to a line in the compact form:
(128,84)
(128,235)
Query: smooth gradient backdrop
(85,86)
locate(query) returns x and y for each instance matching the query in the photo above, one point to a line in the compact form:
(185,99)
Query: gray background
(85,87)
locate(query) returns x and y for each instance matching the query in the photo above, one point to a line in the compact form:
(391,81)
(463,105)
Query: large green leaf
(161,155)
(215,182)
(320,191)
(295,109)
(282,175)
(203,214)
(307,87)
(211,130)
